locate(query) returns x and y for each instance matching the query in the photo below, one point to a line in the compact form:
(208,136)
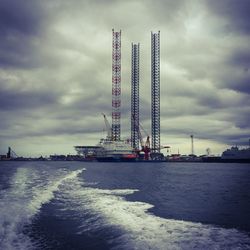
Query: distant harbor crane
(192,144)
(108,127)
(145,147)
(11,154)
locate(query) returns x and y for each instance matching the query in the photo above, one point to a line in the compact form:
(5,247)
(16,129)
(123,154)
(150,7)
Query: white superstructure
(109,149)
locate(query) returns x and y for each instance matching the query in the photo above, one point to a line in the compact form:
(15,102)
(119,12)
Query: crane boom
(140,138)
(137,127)
(108,127)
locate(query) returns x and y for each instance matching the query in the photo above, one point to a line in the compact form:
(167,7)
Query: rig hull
(116,151)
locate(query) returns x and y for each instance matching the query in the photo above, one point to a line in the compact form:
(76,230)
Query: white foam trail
(23,200)
(47,193)
(143,230)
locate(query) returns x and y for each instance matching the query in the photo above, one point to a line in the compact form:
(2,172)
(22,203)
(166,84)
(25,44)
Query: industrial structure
(135,80)
(112,148)
(150,150)
(116,85)
(192,144)
(155,91)
(11,154)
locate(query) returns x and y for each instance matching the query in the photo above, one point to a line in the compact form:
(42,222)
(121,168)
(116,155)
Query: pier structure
(116,85)
(135,79)
(155,92)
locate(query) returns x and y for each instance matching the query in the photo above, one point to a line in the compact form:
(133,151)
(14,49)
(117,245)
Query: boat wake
(104,213)
(139,229)
(29,190)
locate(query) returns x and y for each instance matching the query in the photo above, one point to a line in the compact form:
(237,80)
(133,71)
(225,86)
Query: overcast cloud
(55,71)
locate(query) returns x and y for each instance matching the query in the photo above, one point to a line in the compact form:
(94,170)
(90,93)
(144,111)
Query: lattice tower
(135,60)
(116,85)
(155,91)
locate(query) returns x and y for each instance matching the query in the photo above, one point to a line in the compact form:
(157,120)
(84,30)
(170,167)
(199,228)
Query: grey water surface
(90,205)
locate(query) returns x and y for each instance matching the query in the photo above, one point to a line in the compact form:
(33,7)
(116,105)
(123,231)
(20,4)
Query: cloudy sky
(55,71)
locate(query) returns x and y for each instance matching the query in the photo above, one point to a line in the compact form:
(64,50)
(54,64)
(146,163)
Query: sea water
(90,205)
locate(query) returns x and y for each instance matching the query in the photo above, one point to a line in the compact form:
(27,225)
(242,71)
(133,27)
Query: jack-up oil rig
(113,148)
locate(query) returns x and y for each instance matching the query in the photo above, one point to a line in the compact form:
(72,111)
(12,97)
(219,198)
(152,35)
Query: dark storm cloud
(240,117)
(13,100)
(23,16)
(69,127)
(16,52)
(233,20)
(20,24)
(235,12)
(233,77)
(235,73)
(241,59)
(241,84)
(223,99)
(30,124)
